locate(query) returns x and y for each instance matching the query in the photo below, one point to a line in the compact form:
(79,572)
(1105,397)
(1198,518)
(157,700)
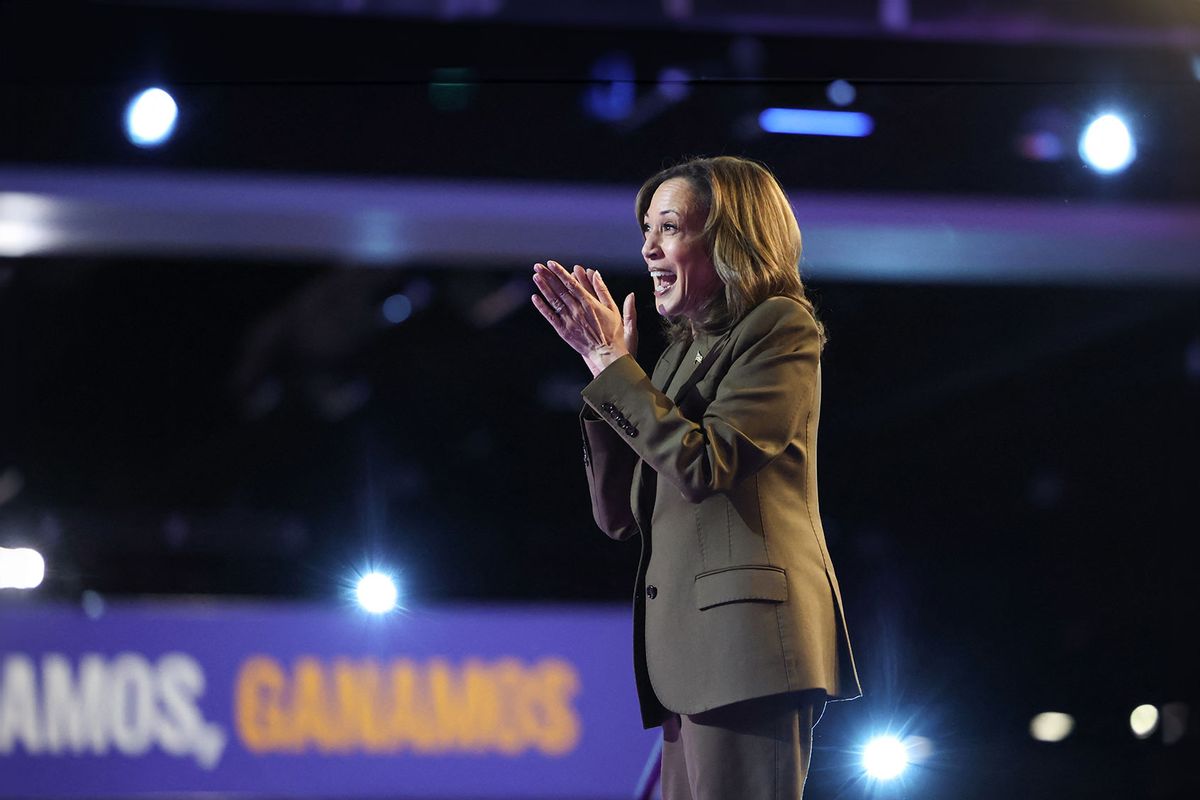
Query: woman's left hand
(582,312)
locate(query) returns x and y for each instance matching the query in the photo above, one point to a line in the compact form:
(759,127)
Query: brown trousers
(754,750)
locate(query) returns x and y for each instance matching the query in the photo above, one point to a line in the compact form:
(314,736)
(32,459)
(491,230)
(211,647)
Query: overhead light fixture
(21,568)
(816,122)
(150,118)
(1107,145)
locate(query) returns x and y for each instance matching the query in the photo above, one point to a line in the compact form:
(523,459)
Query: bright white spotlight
(377,593)
(1107,145)
(885,757)
(21,568)
(1143,721)
(150,118)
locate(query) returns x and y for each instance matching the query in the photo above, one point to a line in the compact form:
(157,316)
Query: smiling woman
(675,250)
(739,215)
(740,639)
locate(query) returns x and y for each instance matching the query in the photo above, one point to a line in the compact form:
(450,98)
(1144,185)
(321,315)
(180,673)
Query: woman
(739,637)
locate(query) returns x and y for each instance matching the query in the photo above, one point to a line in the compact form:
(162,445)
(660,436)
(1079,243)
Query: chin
(667,306)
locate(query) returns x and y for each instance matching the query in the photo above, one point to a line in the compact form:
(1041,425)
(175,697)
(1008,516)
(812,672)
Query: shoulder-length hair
(751,234)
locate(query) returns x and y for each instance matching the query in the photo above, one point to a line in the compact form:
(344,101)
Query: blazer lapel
(645,480)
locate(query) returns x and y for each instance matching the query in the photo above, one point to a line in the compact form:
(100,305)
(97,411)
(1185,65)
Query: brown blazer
(714,463)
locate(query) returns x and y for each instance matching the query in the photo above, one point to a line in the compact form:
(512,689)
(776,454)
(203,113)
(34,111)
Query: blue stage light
(150,118)
(612,92)
(840,92)
(814,122)
(397,308)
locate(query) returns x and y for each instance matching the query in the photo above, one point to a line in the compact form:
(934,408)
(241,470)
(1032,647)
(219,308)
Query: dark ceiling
(377,95)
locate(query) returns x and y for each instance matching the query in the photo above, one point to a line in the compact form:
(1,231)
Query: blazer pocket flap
(736,584)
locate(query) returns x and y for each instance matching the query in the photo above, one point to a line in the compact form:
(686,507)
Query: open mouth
(663,281)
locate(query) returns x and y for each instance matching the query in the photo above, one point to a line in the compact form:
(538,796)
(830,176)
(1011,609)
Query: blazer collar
(710,347)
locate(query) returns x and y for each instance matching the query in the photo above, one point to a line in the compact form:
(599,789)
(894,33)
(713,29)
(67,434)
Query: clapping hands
(584,314)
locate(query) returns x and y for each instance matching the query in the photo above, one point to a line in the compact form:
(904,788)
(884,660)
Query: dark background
(1008,469)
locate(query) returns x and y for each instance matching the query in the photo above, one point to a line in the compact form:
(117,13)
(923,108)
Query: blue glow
(840,92)
(150,118)
(612,92)
(397,308)
(813,122)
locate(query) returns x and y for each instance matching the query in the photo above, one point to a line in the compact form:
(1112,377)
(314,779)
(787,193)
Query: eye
(669,226)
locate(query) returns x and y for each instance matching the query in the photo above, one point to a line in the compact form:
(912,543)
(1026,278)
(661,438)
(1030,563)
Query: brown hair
(751,234)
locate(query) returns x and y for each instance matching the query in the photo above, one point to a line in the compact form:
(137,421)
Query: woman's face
(674,250)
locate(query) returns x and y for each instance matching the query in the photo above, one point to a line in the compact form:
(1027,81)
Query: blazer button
(652,591)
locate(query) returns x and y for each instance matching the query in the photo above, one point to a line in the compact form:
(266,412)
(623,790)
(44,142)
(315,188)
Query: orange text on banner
(428,707)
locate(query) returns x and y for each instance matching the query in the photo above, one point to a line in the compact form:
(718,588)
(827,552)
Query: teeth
(663,281)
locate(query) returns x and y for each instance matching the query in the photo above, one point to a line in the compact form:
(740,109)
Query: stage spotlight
(840,92)
(1107,145)
(1143,721)
(612,92)
(885,757)
(377,593)
(21,568)
(93,604)
(1051,726)
(813,122)
(674,83)
(150,118)
(397,308)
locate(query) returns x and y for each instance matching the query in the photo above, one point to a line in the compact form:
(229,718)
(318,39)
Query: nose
(650,250)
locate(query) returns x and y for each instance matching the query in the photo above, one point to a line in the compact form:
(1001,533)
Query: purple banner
(285,700)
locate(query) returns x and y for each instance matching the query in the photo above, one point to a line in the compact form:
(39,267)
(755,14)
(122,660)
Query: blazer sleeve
(761,400)
(610,463)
